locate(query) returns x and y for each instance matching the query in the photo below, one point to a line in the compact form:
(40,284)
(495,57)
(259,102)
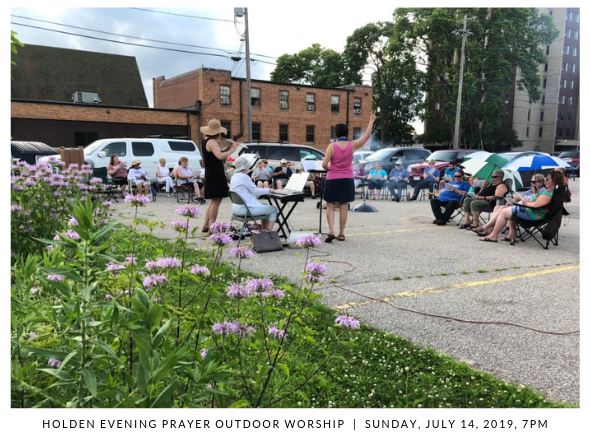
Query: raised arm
(356,144)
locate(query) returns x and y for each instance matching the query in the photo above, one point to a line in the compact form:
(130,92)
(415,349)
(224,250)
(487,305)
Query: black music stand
(364,207)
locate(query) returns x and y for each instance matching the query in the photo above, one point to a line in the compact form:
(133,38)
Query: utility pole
(243,12)
(464,33)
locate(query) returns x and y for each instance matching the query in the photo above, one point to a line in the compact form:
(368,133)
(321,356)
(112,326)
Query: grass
(374,369)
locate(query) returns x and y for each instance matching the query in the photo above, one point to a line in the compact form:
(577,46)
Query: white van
(147,150)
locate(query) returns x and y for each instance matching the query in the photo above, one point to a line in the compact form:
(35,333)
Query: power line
(182,15)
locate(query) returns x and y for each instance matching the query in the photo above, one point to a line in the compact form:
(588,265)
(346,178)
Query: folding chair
(459,212)
(237,199)
(183,187)
(109,189)
(547,228)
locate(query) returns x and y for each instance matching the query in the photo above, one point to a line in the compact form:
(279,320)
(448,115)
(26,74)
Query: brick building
(299,114)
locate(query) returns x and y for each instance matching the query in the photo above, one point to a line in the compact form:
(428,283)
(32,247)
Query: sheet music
(309,165)
(509,200)
(296,182)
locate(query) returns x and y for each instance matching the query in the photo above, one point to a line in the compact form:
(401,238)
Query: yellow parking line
(455,287)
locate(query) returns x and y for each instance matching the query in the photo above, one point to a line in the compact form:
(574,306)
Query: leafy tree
(14,42)
(502,43)
(316,66)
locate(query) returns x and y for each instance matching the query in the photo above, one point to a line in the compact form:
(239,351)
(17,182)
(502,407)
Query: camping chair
(547,228)
(237,199)
(108,189)
(459,213)
(184,188)
(500,201)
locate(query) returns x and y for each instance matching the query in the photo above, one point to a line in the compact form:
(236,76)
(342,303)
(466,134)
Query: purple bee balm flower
(15,208)
(179,226)
(243,330)
(111,266)
(259,285)
(276,293)
(153,281)
(222,328)
(73,222)
(50,248)
(130,260)
(54,277)
(315,272)
(189,211)
(138,200)
(32,335)
(95,181)
(238,291)
(167,262)
(55,363)
(220,227)
(29,182)
(107,204)
(17,188)
(276,333)
(200,270)
(309,242)
(241,252)
(108,297)
(204,353)
(347,321)
(220,239)
(72,235)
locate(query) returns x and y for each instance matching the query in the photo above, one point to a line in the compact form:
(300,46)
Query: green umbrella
(481,169)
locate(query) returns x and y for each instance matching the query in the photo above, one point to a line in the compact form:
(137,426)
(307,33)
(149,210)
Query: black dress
(215,181)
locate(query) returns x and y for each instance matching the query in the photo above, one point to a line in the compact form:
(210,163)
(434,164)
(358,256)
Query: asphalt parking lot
(503,309)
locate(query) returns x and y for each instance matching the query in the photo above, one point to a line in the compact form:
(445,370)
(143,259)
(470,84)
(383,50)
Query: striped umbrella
(483,169)
(536,162)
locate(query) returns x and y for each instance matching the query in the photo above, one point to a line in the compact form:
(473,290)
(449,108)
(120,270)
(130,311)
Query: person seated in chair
(282,174)
(449,198)
(261,175)
(533,209)
(377,178)
(118,171)
(431,177)
(398,180)
(163,175)
(485,200)
(310,184)
(185,175)
(138,177)
(242,184)
(358,174)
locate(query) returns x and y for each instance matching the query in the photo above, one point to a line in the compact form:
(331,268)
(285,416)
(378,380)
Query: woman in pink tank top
(339,186)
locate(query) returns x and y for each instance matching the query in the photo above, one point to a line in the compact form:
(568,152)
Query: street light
(243,12)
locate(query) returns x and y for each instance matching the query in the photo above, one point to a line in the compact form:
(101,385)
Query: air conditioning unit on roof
(86,97)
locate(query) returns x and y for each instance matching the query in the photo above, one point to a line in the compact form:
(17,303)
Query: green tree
(14,42)
(316,66)
(503,50)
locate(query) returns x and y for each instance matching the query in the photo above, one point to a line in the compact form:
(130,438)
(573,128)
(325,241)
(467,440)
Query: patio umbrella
(515,177)
(488,157)
(536,162)
(483,168)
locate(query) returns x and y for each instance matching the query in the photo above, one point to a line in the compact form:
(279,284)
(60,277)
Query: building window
(567,50)
(569,33)
(356,133)
(284,132)
(547,50)
(528,116)
(569,116)
(564,83)
(310,102)
(561,116)
(284,99)
(436,106)
(227,126)
(563,99)
(577,18)
(570,16)
(541,116)
(310,134)
(566,66)
(357,106)
(560,132)
(332,133)
(527,131)
(540,132)
(572,84)
(546,67)
(573,68)
(544,83)
(575,52)
(255,97)
(567,132)
(570,101)
(224,95)
(576,35)
(543,99)
(84,138)
(256,131)
(335,103)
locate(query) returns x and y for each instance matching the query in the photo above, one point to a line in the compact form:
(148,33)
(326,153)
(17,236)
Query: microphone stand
(364,207)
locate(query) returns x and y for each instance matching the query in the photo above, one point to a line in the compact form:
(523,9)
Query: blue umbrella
(536,162)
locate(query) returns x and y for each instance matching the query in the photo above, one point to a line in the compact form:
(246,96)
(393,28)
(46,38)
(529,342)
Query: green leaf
(90,380)
(163,400)
(160,335)
(61,375)
(240,404)
(107,349)
(262,371)
(284,368)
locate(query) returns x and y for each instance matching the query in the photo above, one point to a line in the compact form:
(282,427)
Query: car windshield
(94,146)
(380,155)
(441,156)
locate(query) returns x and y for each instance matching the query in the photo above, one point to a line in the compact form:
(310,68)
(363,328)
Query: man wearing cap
(282,173)
(216,187)
(398,180)
(431,177)
(242,184)
(138,177)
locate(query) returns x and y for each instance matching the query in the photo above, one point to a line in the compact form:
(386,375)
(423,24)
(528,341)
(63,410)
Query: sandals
(506,239)
(488,239)
(478,229)
(484,233)
(465,226)
(331,237)
(341,237)
(205,230)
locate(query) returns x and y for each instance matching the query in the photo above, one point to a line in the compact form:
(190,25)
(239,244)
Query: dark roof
(33,147)
(54,74)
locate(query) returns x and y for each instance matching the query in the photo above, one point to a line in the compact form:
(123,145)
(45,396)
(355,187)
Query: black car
(388,156)
(572,157)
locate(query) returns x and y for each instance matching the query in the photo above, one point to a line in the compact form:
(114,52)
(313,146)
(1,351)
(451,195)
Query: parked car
(275,152)
(389,156)
(147,150)
(572,157)
(361,155)
(442,158)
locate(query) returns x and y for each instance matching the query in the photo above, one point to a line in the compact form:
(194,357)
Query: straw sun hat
(213,128)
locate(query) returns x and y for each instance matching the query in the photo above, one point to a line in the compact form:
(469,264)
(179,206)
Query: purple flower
(179,226)
(204,353)
(276,333)
(73,222)
(138,200)
(315,273)
(166,262)
(15,208)
(107,204)
(241,252)
(222,328)
(259,285)
(220,227)
(54,277)
(309,242)
(108,297)
(220,239)
(189,211)
(55,363)
(276,293)
(238,291)
(200,270)
(347,321)
(153,281)
(72,235)
(130,260)
(50,248)
(111,266)
(32,335)
(243,330)
(95,181)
